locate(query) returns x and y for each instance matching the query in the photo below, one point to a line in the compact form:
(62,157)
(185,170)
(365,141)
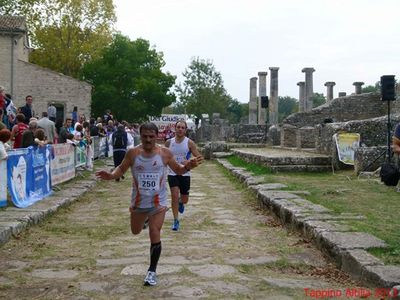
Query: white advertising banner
(63,163)
(166,123)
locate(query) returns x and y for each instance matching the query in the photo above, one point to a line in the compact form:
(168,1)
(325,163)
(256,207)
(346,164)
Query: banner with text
(346,144)
(166,123)
(29,175)
(63,163)
(3,183)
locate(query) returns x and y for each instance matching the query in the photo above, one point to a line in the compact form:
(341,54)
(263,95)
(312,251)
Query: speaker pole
(389,129)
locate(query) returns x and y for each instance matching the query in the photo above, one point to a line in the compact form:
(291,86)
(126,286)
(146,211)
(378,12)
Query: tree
(372,88)
(318,99)
(286,106)
(66,34)
(202,91)
(236,111)
(128,79)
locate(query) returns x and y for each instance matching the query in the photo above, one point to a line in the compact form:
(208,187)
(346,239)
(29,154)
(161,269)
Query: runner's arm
(121,169)
(180,169)
(193,149)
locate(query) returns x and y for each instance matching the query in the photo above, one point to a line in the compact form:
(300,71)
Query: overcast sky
(343,40)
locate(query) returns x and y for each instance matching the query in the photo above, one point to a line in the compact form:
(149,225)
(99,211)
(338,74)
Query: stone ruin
(312,128)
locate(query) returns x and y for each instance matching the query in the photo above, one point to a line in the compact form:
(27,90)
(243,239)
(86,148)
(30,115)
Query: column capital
(274,68)
(360,83)
(253,78)
(330,83)
(308,70)
(262,73)
(301,83)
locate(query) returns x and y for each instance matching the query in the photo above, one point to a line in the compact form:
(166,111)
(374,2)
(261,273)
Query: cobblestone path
(226,249)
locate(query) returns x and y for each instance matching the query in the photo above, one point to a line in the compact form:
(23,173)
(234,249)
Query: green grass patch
(343,192)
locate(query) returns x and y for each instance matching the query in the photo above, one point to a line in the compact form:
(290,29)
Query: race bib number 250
(149,183)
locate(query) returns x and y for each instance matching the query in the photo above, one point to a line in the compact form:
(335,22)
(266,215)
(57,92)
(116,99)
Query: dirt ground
(227,248)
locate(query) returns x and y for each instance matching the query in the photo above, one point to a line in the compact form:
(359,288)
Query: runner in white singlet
(149,163)
(182,148)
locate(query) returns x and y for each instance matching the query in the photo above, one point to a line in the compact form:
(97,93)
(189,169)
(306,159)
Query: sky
(343,40)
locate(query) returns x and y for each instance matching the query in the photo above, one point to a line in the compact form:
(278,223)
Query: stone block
(351,240)
(354,261)
(381,276)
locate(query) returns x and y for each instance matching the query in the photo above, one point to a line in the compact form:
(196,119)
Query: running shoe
(151,279)
(175,226)
(181,207)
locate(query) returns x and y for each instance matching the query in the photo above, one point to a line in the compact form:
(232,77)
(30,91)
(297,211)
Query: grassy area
(343,192)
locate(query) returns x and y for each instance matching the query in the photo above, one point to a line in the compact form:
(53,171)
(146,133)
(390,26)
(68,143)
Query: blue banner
(3,183)
(29,175)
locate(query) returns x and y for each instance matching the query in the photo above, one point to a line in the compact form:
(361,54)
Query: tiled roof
(12,23)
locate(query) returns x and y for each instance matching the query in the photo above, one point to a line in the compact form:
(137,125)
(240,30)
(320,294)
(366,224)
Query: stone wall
(343,109)
(48,86)
(241,133)
(373,132)
(5,61)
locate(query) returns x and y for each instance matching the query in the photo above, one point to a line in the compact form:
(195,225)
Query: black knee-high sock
(155,252)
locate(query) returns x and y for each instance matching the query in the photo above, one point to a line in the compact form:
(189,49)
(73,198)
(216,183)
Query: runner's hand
(104,175)
(195,161)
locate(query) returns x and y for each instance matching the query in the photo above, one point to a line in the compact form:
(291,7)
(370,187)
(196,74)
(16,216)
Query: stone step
(269,158)
(301,168)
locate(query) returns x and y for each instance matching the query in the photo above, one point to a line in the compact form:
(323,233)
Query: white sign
(63,163)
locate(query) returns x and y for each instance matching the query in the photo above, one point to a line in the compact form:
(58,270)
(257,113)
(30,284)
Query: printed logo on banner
(29,175)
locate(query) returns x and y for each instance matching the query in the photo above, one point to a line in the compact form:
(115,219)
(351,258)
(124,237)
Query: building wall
(5,61)
(47,86)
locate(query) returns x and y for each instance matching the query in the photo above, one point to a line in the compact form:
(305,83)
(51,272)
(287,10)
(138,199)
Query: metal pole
(389,151)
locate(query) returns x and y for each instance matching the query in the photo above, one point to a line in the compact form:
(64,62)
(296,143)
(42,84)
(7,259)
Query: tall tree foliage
(65,34)
(286,106)
(128,80)
(202,91)
(372,88)
(318,99)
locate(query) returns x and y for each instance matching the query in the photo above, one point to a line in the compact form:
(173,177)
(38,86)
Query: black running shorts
(183,182)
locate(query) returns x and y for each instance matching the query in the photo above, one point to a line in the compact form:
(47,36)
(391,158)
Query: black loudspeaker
(264,101)
(388,88)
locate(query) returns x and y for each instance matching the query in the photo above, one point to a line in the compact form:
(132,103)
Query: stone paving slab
(14,220)
(346,248)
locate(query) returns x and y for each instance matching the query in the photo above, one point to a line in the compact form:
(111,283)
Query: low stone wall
(343,109)
(369,158)
(242,133)
(373,132)
(289,136)
(305,137)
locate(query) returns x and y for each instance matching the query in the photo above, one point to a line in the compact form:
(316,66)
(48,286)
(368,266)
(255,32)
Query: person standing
(149,164)
(65,130)
(52,112)
(74,115)
(182,148)
(17,131)
(120,141)
(49,128)
(27,110)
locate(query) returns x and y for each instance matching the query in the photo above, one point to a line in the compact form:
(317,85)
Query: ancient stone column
(262,91)
(309,88)
(302,95)
(253,101)
(329,90)
(273,96)
(342,94)
(358,85)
